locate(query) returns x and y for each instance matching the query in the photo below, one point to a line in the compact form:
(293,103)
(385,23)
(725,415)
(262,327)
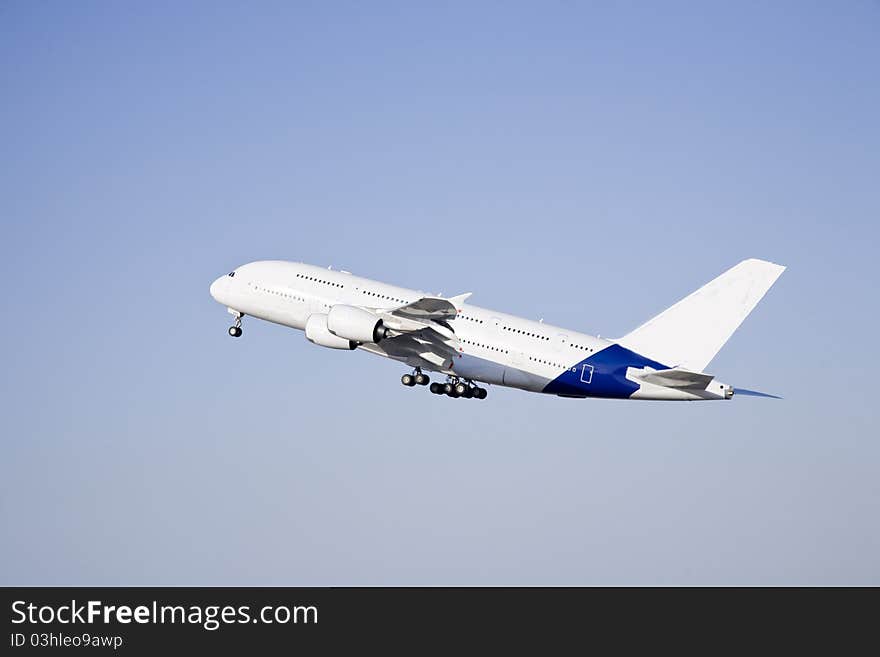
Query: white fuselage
(495,347)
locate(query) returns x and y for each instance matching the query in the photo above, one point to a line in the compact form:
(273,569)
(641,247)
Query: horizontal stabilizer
(678,378)
(690,333)
(753,393)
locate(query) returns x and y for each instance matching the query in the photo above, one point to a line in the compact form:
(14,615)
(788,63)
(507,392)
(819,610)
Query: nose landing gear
(235,329)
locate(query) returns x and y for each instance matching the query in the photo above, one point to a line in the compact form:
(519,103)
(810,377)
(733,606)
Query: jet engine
(317,333)
(356,324)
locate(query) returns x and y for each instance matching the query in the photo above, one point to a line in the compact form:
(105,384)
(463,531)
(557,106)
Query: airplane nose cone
(217,288)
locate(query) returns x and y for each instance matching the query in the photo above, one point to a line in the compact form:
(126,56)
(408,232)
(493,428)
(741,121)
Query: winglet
(460,299)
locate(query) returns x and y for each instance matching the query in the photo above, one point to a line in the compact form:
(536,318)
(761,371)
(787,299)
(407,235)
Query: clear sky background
(588,163)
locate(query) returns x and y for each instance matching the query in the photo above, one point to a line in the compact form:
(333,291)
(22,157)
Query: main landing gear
(415,379)
(456,388)
(235,329)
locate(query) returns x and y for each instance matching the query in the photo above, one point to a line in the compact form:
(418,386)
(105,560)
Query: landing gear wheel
(468,393)
(437,388)
(408,380)
(235,331)
(447,389)
(422,379)
(460,389)
(480,393)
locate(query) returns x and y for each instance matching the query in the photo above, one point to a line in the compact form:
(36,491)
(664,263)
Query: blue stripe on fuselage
(608,377)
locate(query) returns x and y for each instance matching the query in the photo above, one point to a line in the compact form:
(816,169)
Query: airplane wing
(433,349)
(420,330)
(432,308)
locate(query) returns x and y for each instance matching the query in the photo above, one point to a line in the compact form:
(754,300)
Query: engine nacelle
(317,333)
(353,323)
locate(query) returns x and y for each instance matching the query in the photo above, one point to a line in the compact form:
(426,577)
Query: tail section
(690,333)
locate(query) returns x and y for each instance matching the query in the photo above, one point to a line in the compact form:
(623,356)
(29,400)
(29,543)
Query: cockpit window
(231,274)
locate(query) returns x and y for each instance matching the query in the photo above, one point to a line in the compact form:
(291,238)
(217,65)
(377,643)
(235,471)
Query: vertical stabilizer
(691,332)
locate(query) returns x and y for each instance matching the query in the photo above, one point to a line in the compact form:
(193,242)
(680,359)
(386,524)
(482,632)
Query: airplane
(663,359)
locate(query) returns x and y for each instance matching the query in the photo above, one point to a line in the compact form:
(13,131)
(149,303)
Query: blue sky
(588,163)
